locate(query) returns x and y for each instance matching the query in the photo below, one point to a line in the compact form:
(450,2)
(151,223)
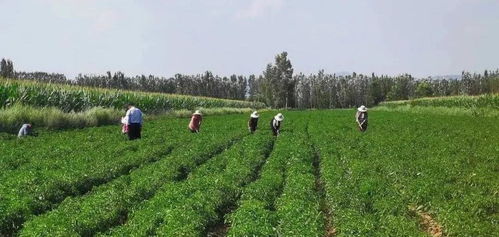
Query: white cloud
(260,7)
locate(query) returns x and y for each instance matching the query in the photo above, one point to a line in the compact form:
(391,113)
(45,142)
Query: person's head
(279,117)
(255,114)
(197,112)
(362,109)
(29,125)
(128,106)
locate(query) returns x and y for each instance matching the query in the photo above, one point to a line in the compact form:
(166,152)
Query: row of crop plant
(187,208)
(283,201)
(79,173)
(75,98)
(468,102)
(440,165)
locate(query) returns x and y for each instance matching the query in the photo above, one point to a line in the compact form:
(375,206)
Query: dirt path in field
(321,192)
(427,222)
(220,228)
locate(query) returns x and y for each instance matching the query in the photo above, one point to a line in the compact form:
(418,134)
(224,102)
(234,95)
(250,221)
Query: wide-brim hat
(362,109)
(279,117)
(197,112)
(254,115)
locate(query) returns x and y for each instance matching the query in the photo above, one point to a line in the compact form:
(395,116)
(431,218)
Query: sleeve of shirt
(127,117)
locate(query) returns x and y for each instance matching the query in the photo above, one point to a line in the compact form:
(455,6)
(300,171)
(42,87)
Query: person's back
(134,121)
(25,130)
(134,115)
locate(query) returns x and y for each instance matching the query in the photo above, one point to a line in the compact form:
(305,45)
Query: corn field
(75,98)
(469,102)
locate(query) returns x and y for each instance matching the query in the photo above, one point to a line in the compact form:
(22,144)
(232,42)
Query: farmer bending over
(253,122)
(361,118)
(26,130)
(275,124)
(195,123)
(133,118)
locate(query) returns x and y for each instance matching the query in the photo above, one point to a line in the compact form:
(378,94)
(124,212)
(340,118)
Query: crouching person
(195,123)
(275,124)
(26,130)
(253,122)
(361,118)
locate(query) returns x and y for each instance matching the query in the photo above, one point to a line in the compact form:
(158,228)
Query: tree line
(279,87)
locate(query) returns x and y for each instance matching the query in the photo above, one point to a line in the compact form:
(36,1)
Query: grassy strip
(454,111)
(109,204)
(51,118)
(468,102)
(187,208)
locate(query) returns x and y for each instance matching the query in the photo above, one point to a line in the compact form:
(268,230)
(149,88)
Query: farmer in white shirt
(275,124)
(25,130)
(134,120)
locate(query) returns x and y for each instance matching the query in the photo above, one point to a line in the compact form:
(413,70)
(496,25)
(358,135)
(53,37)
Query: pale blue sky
(164,37)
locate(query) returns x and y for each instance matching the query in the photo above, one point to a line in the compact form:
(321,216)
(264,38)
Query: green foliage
(440,162)
(76,171)
(12,118)
(173,183)
(187,208)
(74,98)
(468,102)
(283,201)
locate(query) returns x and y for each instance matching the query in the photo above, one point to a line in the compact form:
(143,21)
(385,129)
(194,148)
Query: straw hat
(362,109)
(197,112)
(255,114)
(279,117)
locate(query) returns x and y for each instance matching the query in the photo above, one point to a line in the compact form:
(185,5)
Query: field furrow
(189,207)
(109,204)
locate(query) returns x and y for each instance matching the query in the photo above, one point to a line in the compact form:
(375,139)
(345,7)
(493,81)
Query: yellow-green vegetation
(12,118)
(74,98)
(478,106)
(480,101)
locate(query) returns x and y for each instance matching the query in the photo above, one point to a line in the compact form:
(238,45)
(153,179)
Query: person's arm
(127,117)
(141,117)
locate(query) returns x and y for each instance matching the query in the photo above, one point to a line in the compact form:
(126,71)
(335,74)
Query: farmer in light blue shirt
(25,130)
(134,120)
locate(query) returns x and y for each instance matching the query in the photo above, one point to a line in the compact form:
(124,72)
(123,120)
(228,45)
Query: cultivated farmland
(408,175)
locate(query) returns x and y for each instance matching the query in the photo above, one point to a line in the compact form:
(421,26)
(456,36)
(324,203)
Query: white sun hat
(197,112)
(254,114)
(279,117)
(362,108)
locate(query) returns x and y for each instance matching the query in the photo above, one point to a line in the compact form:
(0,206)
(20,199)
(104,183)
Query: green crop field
(408,175)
